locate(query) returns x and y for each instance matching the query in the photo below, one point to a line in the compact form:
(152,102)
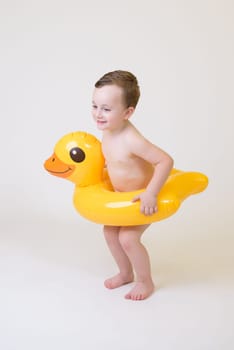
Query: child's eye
(94,107)
(106,109)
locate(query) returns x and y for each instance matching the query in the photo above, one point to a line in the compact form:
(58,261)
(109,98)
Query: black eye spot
(77,154)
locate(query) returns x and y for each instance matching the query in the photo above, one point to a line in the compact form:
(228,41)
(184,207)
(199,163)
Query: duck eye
(77,154)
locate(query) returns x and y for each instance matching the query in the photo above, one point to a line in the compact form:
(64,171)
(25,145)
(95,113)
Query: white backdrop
(52,53)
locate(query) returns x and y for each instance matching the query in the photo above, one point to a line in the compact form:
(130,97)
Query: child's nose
(98,113)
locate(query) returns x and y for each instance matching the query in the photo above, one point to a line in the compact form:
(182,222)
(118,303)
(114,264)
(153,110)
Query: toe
(128,296)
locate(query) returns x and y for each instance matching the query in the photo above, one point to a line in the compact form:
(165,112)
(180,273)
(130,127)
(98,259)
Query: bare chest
(126,170)
(116,151)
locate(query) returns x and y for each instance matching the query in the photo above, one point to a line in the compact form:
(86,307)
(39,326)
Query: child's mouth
(100,122)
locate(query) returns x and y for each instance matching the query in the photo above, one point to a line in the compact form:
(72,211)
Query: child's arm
(162,163)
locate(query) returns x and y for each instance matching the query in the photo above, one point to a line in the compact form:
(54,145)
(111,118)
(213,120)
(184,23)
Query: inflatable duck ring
(78,157)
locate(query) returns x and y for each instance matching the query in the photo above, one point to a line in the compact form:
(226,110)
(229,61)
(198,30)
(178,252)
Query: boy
(132,163)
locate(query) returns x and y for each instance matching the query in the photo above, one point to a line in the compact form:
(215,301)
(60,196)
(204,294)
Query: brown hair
(127,81)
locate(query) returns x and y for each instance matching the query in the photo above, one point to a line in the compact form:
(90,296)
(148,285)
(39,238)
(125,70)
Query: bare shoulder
(135,139)
(144,148)
(132,133)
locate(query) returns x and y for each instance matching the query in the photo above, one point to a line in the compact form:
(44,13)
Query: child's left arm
(162,163)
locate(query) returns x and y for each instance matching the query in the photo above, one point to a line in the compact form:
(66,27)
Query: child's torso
(127,171)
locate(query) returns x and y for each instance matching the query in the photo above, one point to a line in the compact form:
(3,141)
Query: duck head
(78,158)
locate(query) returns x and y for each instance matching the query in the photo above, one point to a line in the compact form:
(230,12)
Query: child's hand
(148,203)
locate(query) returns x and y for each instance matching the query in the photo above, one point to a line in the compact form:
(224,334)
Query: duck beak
(57,168)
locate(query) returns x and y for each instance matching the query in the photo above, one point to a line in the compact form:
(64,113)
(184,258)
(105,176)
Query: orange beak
(57,168)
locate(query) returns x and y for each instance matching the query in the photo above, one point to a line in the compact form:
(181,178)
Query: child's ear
(129,111)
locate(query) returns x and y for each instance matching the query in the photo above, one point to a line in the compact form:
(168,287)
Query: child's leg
(129,238)
(125,274)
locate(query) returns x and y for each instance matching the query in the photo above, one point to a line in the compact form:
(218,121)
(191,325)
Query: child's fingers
(148,210)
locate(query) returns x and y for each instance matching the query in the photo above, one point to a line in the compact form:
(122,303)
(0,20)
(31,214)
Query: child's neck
(117,131)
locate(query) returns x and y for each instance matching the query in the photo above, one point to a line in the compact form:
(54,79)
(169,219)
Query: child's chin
(101,126)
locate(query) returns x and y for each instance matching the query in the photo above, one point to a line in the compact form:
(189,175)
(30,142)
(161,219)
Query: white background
(53,262)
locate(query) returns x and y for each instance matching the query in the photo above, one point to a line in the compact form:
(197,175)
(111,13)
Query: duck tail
(185,184)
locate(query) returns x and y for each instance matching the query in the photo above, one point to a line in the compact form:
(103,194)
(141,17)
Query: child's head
(126,81)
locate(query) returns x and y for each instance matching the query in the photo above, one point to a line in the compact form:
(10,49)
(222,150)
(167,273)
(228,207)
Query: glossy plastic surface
(78,158)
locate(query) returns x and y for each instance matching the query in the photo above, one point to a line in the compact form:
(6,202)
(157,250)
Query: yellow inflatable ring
(78,157)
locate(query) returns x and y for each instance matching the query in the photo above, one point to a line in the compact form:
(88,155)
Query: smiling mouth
(58,168)
(64,173)
(60,172)
(99,122)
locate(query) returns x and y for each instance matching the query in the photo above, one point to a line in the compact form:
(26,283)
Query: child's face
(109,110)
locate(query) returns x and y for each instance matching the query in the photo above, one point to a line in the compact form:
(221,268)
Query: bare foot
(118,281)
(141,291)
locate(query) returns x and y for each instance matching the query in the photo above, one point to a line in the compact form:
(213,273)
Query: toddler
(132,163)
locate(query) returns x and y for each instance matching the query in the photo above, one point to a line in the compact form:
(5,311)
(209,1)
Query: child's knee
(127,240)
